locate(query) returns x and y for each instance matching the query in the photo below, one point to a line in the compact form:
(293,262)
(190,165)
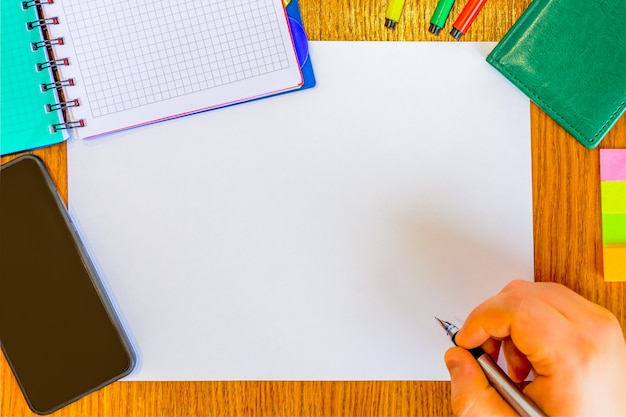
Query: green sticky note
(613,197)
(614,229)
(24,121)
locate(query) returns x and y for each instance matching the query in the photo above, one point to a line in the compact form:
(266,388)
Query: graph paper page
(138,62)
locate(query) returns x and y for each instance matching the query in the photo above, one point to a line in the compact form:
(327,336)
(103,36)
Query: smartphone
(58,329)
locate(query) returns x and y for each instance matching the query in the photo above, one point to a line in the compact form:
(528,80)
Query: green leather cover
(569,57)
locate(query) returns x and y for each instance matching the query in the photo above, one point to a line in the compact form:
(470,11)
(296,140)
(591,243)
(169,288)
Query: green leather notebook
(569,57)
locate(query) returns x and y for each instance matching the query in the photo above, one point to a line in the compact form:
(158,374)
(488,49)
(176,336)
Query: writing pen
(394,10)
(499,380)
(467,16)
(440,15)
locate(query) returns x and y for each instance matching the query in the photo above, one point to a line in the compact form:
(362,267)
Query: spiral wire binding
(67,125)
(53,64)
(43,23)
(62,105)
(57,85)
(46,43)
(34,3)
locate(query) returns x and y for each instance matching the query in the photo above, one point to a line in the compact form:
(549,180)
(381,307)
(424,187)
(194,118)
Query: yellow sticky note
(614,263)
(613,197)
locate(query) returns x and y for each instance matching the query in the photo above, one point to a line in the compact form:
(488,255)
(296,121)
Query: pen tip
(390,24)
(450,328)
(434,29)
(456,34)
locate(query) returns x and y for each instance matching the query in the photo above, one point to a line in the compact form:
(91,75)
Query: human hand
(574,347)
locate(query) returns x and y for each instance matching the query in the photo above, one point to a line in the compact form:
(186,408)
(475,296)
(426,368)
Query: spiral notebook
(99,67)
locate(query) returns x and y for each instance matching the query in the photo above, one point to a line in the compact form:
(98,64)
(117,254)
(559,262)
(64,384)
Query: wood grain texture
(566,233)
(566,206)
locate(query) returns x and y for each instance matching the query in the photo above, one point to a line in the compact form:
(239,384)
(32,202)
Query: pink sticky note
(613,164)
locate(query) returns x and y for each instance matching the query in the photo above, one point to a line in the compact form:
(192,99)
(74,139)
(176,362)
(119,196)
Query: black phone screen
(58,329)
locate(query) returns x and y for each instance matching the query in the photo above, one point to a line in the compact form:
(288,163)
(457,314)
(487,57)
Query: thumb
(471,393)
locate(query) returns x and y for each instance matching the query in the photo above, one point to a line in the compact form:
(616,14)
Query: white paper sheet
(313,236)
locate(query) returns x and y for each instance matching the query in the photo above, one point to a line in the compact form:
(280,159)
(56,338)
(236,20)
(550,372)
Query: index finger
(539,319)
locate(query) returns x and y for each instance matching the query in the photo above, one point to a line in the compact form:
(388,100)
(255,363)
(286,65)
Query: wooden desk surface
(568,249)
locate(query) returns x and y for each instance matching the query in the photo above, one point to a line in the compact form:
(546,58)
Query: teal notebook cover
(25,123)
(569,57)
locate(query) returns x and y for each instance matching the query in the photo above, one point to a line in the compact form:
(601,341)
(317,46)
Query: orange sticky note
(614,263)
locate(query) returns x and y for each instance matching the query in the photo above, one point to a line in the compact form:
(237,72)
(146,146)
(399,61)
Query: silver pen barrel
(508,389)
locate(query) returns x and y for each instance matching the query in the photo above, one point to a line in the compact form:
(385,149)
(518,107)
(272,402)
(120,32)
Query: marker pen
(467,16)
(394,10)
(440,15)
